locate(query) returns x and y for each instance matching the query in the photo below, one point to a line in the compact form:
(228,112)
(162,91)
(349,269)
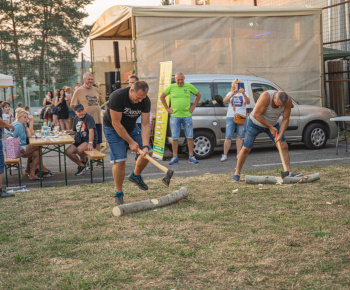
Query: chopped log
(150,204)
(301,179)
(250,179)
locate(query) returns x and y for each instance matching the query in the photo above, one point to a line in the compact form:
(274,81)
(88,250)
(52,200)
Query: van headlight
(333,113)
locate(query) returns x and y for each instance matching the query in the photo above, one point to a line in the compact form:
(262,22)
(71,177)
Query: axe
(169,172)
(286,172)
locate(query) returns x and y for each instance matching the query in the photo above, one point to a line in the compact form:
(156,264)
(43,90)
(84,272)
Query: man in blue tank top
(264,118)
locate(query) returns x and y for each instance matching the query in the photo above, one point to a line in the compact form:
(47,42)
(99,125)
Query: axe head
(284,174)
(169,175)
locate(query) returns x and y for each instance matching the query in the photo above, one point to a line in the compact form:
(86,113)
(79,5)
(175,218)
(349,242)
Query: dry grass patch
(277,236)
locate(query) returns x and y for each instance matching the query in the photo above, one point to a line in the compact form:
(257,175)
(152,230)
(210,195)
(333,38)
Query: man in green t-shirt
(181,113)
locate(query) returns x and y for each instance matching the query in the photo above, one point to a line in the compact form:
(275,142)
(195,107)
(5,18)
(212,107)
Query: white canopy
(281,44)
(6,81)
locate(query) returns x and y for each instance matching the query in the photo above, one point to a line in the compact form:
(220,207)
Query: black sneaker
(236,178)
(80,170)
(4,194)
(119,198)
(138,181)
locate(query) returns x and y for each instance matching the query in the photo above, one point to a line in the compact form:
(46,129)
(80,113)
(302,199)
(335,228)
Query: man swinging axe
(119,125)
(264,118)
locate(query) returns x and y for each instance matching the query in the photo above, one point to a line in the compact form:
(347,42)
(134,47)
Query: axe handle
(278,144)
(155,163)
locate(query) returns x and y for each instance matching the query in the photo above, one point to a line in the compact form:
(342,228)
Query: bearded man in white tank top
(270,106)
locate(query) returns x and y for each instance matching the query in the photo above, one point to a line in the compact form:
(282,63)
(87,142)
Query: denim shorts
(175,124)
(231,127)
(2,159)
(118,147)
(254,130)
(71,114)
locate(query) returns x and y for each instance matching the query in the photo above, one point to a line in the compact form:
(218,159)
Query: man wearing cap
(84,128)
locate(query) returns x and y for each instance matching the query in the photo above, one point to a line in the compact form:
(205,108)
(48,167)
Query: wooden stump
(150,204)
(301,179)
(287,180)
(250,179)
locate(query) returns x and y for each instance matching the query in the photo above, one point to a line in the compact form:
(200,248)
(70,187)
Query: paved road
(259,159)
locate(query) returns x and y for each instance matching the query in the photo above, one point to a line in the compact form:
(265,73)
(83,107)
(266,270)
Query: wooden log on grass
(150,204)
(250,179)
(301,179)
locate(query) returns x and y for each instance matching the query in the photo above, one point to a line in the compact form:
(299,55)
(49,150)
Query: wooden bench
(96,156)
(13,163)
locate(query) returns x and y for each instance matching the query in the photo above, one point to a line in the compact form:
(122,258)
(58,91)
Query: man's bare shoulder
(264,98)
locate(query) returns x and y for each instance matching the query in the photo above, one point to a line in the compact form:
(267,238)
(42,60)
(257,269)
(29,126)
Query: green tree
(45,36)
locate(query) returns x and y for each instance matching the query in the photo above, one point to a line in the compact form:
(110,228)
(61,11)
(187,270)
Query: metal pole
(13,101)
(25,91)
(4,94)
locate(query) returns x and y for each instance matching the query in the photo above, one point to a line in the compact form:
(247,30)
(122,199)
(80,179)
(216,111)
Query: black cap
(78,107)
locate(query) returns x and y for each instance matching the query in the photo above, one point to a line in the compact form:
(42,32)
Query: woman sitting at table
(22,132)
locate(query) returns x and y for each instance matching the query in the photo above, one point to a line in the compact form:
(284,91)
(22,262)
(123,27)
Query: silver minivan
(307,124)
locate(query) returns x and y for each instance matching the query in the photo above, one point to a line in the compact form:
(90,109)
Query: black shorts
(78,144)
(62,115)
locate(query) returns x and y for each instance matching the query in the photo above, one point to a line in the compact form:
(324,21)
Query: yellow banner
(166,71)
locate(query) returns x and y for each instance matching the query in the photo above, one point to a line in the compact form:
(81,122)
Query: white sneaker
(223,158)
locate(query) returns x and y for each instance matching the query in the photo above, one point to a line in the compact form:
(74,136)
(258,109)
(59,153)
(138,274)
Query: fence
(39,64)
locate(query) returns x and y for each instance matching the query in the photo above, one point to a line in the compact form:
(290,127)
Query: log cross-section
(150,204)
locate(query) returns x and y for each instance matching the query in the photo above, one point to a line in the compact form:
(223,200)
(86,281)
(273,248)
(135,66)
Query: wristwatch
(145,146)
(91,142)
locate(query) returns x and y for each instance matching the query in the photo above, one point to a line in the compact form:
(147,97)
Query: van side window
(258,89)
(221,90)
(206,91)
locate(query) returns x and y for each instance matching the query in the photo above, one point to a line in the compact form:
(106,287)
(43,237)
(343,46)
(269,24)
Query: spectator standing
(85,138)
(71,113)
(181,113)
(48,104)
(54,108)
(125,106)
(88,96)
(6,112)
(7,126)
(237,100)
(62,109)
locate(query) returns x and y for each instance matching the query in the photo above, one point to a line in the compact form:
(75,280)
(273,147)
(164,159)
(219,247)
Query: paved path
(259,159)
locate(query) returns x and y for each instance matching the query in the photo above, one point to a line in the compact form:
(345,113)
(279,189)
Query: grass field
(270,236)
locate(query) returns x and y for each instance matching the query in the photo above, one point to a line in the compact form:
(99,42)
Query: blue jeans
(175,124)
(118,147)
(254,130)
(231,127)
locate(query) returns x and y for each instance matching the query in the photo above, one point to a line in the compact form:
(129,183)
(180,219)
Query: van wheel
(203,144)
(315,136)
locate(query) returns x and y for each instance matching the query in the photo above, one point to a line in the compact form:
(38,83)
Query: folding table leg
(91,168)
(41,175)
(103,170)
(7,183)
(19,173)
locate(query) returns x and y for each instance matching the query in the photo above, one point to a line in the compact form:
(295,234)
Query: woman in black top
(62,109)
(48,104)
